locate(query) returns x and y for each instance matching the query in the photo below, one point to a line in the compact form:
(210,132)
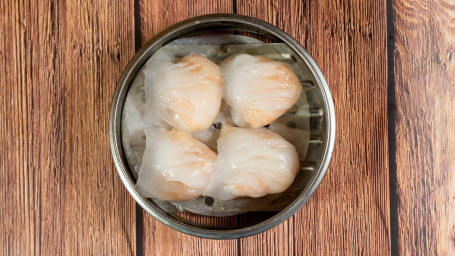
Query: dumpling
(186,94)
(252,163)
(175,166)
(258,89)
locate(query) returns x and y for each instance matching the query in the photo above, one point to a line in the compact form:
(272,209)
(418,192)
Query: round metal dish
(320,95)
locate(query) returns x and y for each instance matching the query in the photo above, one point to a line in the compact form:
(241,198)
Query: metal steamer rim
(320,154)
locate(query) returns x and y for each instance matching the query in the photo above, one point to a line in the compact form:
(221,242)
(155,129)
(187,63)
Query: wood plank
(60,64)
(158,238)
(349,213)
(424,71)
(19,188)
(95,42)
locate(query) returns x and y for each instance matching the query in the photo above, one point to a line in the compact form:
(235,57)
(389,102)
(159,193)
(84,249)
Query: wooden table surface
(390,188)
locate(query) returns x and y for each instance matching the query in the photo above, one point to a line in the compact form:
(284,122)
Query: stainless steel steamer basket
(222,22)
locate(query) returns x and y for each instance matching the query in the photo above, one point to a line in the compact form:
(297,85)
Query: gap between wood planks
(139,210)
(391,124)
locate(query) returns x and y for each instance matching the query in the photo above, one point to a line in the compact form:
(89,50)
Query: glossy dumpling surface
(252,163)
(185,94)
(258,89)
(175,166)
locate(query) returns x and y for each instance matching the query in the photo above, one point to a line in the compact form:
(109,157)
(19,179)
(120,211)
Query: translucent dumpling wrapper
(257,89)
(292,129)
(185,95)
(252,163)
(175,166)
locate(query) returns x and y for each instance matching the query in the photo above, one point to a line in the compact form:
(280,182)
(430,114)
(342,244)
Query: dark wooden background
(390,189)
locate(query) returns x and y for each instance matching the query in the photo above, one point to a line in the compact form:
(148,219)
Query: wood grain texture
(349,213)
(159,15)
(19,189)
(158,238)
(425,152)
(60,194)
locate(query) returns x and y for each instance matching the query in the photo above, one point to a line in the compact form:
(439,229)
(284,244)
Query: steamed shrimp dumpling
(175,167)
(252,163)
(258,89)
(185,94)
